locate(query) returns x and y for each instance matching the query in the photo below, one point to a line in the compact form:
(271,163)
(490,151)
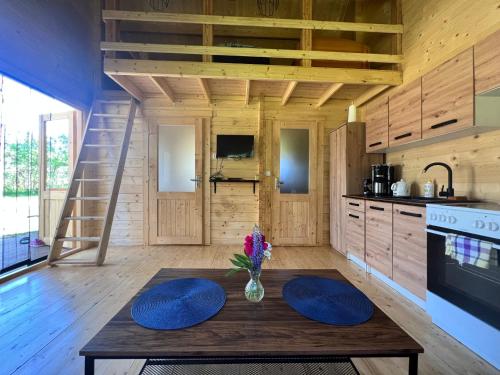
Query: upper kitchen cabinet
(487,64)
(405,114)
(377,124)
(448,97)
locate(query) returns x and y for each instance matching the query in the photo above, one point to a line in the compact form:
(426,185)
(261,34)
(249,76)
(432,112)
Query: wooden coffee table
(244,332)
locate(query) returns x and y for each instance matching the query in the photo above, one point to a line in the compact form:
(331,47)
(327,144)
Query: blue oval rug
(328,301)
(179,303)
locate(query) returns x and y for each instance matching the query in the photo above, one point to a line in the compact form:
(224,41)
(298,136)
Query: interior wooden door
(57,152)
(294,203)
(175,188)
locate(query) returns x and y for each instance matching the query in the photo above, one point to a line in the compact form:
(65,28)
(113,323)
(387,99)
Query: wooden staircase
(94,154)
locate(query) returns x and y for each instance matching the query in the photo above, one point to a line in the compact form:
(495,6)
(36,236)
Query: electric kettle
(400,189)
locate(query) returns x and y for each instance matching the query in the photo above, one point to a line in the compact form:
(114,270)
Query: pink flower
(248,245)
(265,245)
(248,248)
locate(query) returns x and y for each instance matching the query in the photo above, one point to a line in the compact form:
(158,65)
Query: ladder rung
(101,145)
(97,162)
(107,130)
(84,218)
(89,198)
(110,115)
(113,101)
(90,239)
(75,261)
(93,179)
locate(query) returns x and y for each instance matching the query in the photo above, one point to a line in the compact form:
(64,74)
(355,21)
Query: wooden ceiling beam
(288,92)
(121,15)
(128,86)
(328,94)
(204,87)
(369,94)
(163,86)
(251,71)
(247,91)
(250,52)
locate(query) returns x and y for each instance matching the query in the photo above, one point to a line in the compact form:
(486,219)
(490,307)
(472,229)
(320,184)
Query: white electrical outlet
(267,173)
(214,156)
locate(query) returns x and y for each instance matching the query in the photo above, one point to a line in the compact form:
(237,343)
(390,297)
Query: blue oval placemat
(327,300)
(179,303)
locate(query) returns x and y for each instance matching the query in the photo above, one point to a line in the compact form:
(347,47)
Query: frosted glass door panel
(294,161)
(176,158)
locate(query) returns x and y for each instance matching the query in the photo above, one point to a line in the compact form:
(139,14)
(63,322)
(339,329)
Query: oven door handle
(444,234)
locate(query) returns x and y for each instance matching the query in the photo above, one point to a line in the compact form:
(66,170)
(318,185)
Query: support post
(413,364)
(89,365)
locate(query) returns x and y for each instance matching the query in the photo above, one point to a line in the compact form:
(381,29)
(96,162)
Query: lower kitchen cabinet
(379,236)
(410,249)
(355,232)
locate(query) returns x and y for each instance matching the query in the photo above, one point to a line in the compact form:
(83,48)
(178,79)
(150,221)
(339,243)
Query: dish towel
(468,250)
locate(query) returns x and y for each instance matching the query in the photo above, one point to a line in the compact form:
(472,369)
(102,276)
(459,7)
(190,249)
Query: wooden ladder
(87,158)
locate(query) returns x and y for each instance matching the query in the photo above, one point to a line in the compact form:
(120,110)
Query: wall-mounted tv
(234,146)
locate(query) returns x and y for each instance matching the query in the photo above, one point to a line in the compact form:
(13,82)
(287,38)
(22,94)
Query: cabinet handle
(403,135)
(377,208)
(354,216)
(354,204)
(406,213)
(375,144)
(444,123)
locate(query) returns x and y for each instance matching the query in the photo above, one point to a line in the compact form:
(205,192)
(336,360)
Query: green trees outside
(21,165)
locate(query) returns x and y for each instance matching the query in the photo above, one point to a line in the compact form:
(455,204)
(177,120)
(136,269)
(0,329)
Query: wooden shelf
(238,181)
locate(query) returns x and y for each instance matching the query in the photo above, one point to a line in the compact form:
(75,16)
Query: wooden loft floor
(177,63)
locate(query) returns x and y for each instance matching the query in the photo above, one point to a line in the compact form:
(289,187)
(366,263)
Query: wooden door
(175,185)
(378,228)
(410,249)
(487,64)
(405,114)
(448,97)
(294,203)
(377,124)
(57,152)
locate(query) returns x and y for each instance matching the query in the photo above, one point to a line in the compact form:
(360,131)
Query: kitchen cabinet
(349,165)
(378,228)
(410,249)
(405,114)
(487,63)
(448,97)
(377,124)
(355,231)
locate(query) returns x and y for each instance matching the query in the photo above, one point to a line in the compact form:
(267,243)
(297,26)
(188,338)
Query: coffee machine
(382,179)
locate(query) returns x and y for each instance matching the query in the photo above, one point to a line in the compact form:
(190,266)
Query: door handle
(277,183)
(197,179)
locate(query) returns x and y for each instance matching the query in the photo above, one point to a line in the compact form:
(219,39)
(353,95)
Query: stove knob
(434,217)
(442,218)
(452,219)
(479,224)
(493,227)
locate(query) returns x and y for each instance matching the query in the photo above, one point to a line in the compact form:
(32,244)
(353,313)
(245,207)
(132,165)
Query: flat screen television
(234,146)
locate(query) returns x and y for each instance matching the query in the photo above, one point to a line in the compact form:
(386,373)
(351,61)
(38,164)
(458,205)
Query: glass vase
(254,291)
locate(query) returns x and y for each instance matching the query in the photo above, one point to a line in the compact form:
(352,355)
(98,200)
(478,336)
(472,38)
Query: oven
(474,289)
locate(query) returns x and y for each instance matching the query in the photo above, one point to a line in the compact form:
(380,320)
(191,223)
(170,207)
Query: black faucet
(449,192)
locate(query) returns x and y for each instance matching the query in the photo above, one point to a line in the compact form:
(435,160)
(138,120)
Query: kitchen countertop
(411,201)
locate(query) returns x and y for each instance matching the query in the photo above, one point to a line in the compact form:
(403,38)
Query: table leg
(89,365)
(413,365)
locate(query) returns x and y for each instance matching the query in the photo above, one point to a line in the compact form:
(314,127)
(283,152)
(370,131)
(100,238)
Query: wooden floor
(46,316)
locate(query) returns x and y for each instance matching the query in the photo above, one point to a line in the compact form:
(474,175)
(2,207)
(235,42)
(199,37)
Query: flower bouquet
(256,249)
